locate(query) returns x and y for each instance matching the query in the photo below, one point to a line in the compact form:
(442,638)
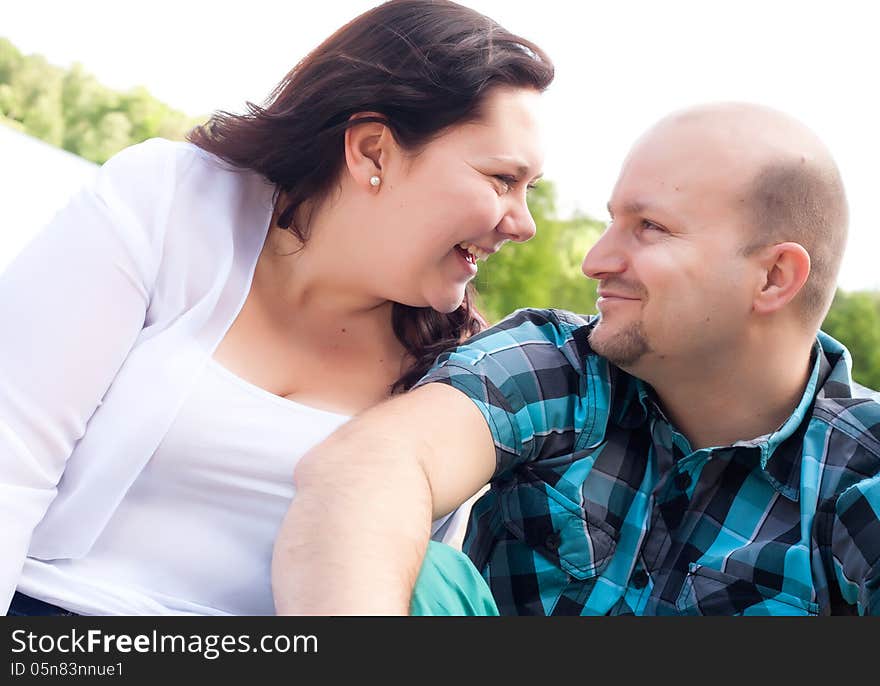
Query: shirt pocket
(559,529)
(707,591)
(539,550)
(547,553)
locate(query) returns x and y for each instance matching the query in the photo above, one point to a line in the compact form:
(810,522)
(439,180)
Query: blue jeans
(25,606)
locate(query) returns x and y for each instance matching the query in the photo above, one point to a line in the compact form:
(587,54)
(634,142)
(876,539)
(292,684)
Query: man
(695,449)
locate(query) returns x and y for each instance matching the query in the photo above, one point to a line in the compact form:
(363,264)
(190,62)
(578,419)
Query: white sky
(621,65)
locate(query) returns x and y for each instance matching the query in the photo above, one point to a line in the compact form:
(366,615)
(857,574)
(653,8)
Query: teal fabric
(450,585)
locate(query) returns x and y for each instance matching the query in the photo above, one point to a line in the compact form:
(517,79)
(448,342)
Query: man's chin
(623,348)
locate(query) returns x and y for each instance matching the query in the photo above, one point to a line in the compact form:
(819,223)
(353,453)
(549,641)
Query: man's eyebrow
(632,207)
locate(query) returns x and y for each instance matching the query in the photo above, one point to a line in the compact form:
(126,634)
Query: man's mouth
(615,296)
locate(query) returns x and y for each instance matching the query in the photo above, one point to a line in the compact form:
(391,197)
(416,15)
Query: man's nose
(605,257)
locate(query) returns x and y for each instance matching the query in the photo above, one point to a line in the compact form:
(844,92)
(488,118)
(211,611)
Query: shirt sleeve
(518,376)
(856,545)
(72,304)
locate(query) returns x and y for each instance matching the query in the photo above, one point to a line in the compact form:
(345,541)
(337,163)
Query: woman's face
(461,197)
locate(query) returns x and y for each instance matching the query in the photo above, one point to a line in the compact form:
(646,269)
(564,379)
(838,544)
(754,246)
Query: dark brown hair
(423,66)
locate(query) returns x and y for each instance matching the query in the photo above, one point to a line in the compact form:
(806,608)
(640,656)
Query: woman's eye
(506,181)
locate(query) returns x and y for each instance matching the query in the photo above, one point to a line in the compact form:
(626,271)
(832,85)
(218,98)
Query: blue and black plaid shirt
(599,506)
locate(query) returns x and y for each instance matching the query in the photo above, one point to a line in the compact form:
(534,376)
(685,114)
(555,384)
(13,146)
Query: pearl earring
(375,181)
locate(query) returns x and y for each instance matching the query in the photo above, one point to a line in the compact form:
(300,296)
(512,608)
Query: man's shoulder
(857,416)
(528,376)
(533,325)
(849,443)
(529,339)
(545,344)
(859,391)
(849,408)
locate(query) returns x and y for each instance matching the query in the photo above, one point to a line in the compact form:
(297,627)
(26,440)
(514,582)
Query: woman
(184,331)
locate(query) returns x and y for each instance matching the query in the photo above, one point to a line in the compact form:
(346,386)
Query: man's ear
(785,268)
(368,146)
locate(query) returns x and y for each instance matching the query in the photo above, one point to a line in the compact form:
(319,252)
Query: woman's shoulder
(157,160)
(158,178)
(160,168)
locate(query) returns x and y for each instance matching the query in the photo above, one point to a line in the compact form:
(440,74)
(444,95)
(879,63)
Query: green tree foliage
(544,272)
(854,320)
(71,109)
(10,59)
(32,94)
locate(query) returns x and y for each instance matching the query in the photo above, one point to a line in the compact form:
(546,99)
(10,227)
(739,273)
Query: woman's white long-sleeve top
(107,317)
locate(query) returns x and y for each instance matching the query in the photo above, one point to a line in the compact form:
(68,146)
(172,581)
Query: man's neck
(738,399)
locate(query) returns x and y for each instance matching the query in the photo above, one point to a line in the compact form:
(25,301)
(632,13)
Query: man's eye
(651,226)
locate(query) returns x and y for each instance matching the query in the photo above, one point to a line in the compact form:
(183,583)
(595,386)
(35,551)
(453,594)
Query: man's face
(674,286)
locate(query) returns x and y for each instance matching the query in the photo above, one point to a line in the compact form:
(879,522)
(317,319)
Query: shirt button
(639,579)
(552,541)
(682,480)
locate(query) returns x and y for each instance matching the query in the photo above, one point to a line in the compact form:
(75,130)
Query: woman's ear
(785,268)
(368,147)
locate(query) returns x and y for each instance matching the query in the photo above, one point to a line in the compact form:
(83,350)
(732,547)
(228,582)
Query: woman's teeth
(478,253)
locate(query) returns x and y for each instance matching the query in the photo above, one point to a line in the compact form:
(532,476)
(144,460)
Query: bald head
(783,180)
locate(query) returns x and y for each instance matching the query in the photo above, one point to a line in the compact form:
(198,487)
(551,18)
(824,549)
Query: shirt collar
(781,451)
(630,399)
(783,445)
(633,401)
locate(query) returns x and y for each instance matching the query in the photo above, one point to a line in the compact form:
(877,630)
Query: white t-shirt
(194,533)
